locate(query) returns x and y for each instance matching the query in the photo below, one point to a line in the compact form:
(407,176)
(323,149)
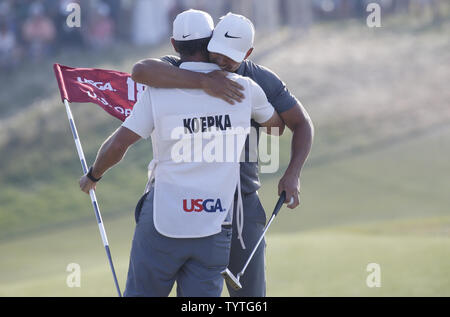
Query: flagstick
(91,192)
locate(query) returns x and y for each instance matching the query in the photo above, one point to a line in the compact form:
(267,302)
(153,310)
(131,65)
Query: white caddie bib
(197,143)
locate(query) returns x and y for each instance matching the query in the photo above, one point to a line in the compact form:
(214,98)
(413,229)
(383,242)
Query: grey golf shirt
(279,97)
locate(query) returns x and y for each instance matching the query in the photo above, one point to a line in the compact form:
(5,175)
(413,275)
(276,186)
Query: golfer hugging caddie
(230,48)
(183,231)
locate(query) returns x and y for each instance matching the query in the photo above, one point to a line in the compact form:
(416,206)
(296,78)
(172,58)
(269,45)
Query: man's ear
(249,52)
(173,44)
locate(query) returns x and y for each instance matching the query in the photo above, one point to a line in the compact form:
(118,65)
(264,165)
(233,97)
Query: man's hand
(290,183)
(217,84)
(86,184)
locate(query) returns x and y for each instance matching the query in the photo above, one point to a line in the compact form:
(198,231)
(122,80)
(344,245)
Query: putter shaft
(229,277)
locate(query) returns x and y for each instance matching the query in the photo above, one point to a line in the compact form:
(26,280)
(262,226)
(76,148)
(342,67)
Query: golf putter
(232,280)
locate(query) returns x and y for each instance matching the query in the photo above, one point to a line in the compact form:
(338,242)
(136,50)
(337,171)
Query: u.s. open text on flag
(114,91)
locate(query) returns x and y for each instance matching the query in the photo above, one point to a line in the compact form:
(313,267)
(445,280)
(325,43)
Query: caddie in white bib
(196,148)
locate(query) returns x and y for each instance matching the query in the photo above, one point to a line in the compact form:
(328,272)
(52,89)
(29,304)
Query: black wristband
(92,178)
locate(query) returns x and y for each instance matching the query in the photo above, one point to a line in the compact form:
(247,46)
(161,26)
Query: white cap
(233,37)
(192,25)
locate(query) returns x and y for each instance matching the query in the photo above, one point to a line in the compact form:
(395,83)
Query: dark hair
(190,48)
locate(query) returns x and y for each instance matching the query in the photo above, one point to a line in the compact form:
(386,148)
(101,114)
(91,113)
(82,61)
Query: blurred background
(375,188)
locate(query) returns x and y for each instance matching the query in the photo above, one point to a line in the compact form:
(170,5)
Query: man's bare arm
(275,125)
(110,153)
(156,73)
(299,122)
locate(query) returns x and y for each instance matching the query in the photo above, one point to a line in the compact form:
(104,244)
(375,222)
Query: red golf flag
(114,91)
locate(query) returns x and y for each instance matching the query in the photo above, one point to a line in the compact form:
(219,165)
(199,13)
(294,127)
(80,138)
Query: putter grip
(279,203)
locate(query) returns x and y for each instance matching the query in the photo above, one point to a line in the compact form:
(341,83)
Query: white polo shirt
(140,121)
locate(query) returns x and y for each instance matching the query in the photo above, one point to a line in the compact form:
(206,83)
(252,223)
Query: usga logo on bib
(198,205)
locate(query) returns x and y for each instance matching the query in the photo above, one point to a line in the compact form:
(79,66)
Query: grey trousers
(254,280)
(157,261)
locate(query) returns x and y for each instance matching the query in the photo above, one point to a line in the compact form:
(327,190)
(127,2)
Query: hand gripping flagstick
(228,276)
(91,193)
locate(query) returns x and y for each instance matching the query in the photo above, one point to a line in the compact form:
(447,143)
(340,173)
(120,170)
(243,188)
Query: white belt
(151,174)
(240,212)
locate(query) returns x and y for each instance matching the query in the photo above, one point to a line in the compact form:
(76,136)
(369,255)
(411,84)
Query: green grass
(333,263)
(328,262)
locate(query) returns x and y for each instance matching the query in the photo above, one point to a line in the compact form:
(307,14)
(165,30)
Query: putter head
(231,279)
